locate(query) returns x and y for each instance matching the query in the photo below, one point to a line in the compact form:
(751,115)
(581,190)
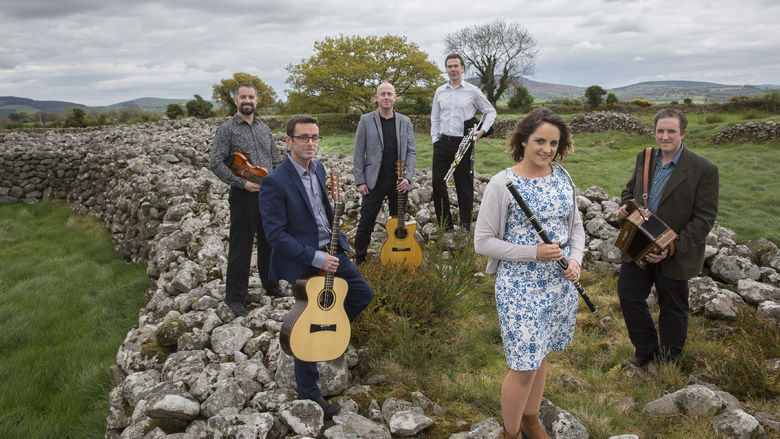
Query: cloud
(587,45)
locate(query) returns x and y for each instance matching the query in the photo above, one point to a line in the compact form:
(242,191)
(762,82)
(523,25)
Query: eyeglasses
(305,139)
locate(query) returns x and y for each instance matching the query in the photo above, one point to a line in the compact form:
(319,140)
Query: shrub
(175,111)
(521,100)
(687,101)
(751,114)
(640,102)
(713,118)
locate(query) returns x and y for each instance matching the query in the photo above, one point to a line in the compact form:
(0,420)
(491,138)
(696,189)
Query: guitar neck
(334,240)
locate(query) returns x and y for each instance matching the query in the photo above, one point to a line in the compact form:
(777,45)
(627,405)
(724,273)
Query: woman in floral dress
(536,300)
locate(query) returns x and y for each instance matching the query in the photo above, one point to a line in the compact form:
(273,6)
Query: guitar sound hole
(326,299)
(400,233)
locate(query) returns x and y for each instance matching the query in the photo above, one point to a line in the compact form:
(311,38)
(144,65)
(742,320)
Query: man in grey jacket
(383,137)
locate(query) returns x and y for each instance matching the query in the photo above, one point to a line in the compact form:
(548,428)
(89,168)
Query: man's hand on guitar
(331,264)
(251,187)
(402,185)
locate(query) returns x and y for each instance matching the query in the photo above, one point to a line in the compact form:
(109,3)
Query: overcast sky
(103,52)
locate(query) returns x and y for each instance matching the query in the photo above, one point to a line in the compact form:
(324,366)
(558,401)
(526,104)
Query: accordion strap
(648,152)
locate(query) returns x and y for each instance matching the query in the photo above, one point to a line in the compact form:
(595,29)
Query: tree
(521,100)
(76,117)
(500,52)
(199,108)
(593,96)
(771,100)
(612,100)
(223,92)
(174,111)
(344,72)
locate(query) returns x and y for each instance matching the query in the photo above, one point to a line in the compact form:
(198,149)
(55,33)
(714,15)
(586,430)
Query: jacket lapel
(378,125)
(296,179)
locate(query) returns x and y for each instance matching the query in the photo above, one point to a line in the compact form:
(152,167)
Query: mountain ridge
(653,91)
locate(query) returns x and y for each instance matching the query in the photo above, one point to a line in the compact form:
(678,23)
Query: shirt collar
(300,169)
(676,157)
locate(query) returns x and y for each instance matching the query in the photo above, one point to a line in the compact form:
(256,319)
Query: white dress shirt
(453,106)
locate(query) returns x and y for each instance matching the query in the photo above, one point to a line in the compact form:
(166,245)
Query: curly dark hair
(529,124)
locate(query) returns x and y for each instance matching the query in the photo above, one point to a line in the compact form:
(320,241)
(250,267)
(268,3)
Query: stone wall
(189,368)
(749,131)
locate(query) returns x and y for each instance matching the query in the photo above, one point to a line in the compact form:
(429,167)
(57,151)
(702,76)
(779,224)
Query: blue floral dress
(537,306)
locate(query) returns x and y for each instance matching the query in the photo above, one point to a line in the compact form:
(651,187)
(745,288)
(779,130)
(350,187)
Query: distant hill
(653,91)
(150,104)
(13,104)
(700,92)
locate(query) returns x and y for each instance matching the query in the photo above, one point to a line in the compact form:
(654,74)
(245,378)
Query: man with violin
(247,135)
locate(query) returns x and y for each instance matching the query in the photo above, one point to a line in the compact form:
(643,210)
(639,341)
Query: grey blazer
(689,205)
(369,143)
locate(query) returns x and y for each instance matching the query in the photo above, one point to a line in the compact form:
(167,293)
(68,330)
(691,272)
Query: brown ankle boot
(506,435)
(531,427)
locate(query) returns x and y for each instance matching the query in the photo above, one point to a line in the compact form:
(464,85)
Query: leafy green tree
(593,96)
(200,108)
(223,92)
(771,100)
(521,100)
(344,72)
(76,117)
(175,111)
(612,100)
(500,52)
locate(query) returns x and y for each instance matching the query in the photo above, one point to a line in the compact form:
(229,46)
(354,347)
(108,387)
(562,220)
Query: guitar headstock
(335,186)
(400,169)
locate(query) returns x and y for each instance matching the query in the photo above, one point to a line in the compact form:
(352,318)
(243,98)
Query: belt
(450,138)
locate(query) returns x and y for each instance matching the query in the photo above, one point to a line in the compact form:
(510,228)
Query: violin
(242,168)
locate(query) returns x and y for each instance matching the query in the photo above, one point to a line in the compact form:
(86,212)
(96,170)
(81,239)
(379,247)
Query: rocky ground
(189,369)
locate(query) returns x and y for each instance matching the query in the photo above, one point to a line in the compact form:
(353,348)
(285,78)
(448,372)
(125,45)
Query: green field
(66,302)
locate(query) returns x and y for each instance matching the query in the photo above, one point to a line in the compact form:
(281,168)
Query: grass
(66,302)
(749,195)
(452,352)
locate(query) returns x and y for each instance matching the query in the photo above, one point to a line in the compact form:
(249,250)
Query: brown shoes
(532,429)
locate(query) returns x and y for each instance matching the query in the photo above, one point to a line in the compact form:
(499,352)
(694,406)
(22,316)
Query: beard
(246,109)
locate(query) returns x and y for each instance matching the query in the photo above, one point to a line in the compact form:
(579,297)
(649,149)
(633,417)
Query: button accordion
(642,233)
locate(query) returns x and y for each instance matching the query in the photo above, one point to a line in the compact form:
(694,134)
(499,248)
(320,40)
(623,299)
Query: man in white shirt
(453,104)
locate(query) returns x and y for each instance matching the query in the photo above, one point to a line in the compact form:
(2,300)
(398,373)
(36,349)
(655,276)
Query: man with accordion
(683,193)
(454,104)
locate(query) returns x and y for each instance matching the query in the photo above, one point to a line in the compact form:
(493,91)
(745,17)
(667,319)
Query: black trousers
(245,225)
(634,286)
(359,296)
(370,206)
(443,154)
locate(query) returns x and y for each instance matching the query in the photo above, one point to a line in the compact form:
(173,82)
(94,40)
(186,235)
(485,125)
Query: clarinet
(461,152)
(540,230)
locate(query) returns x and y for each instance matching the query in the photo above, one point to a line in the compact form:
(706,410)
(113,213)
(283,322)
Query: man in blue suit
(297,218)
(383,137)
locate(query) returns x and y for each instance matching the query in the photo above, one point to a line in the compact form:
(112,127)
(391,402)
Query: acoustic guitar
(242,168)
(317,326)
(401,246)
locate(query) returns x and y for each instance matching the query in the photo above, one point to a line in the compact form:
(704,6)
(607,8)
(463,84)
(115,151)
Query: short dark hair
(529,124)
(299,118)
(672,112)
(243,84)
(455,56)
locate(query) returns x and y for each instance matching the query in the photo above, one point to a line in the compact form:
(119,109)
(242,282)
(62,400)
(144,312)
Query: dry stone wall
(189,368)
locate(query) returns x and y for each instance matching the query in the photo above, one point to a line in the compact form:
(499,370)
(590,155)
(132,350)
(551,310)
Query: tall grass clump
(66,302)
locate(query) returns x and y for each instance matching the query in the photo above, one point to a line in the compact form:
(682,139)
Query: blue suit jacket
(288,221)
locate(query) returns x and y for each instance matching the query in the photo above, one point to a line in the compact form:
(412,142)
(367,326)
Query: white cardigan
(491,222)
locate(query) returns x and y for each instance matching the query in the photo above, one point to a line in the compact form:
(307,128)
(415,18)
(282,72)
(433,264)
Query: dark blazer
(288,221)
(369,143)
(689,205)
